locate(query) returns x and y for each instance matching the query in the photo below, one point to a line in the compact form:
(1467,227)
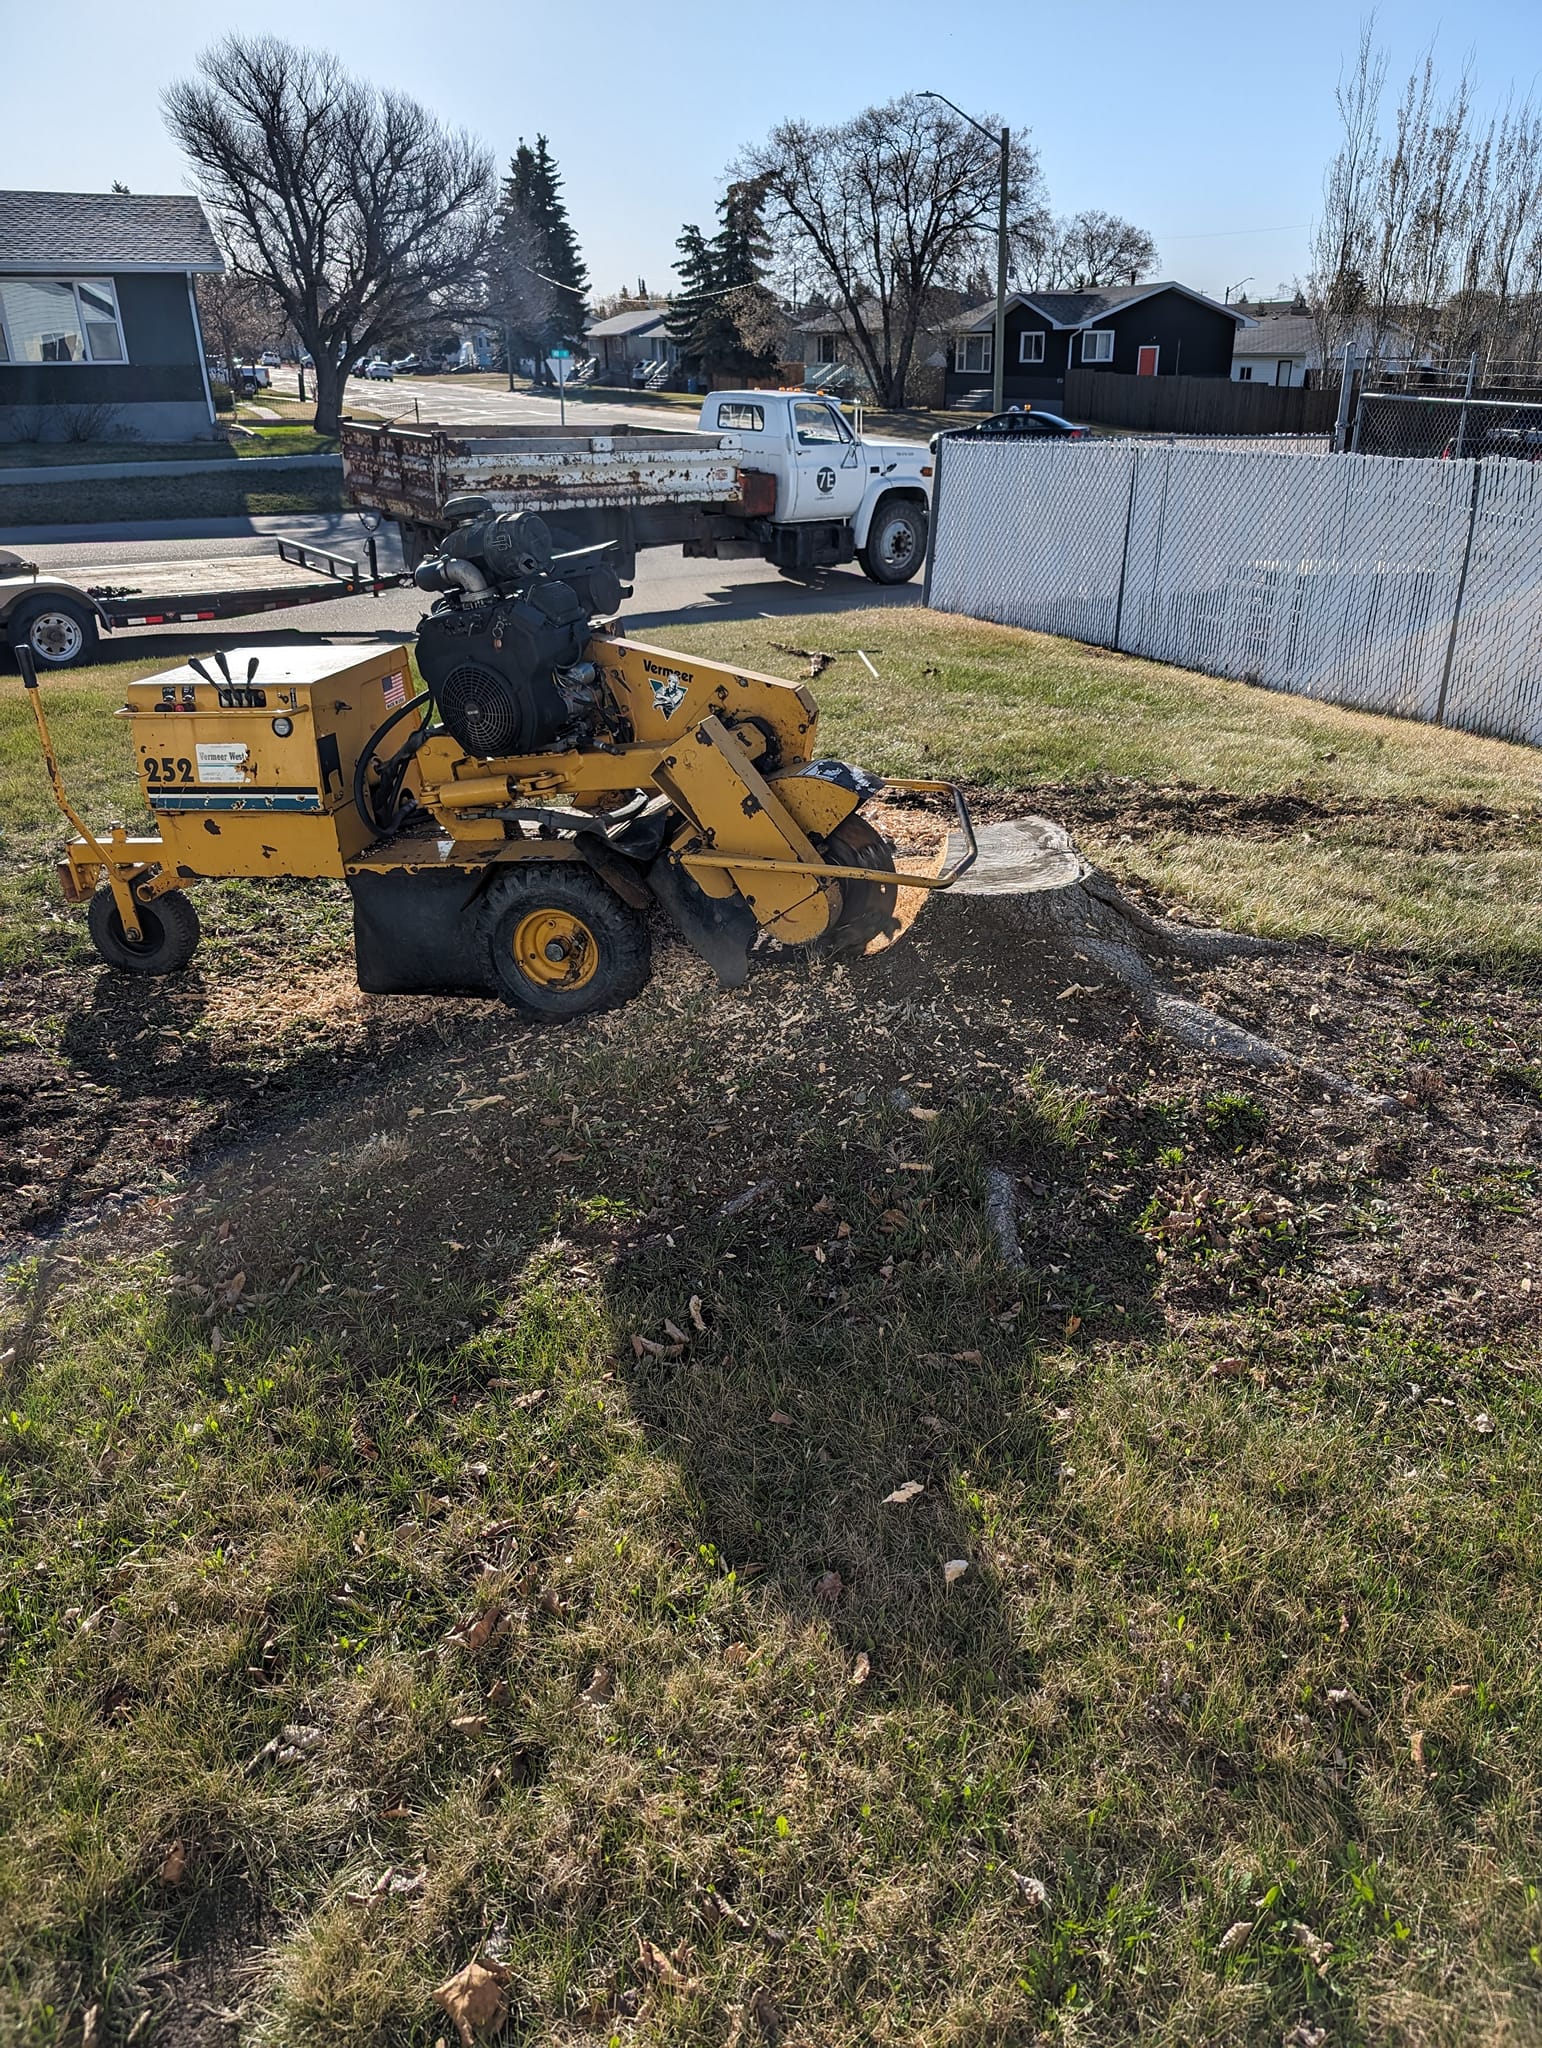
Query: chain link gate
(1412,588)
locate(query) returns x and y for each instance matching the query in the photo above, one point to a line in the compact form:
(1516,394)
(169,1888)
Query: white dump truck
(781,475)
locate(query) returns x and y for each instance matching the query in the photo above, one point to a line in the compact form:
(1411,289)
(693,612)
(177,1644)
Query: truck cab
(839,493)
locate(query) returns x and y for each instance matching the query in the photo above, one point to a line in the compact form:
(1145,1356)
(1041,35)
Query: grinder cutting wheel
(512,827)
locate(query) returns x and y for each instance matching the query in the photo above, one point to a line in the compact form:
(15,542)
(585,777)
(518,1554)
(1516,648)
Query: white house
(1282,349)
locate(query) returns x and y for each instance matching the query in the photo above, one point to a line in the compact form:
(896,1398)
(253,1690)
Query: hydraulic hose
(362,801)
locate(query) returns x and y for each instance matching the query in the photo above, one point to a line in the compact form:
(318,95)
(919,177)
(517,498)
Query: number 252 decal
(165,769)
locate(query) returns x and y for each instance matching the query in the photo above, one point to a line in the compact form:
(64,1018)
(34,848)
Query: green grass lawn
(59,454)
(451,1514)
(225,494)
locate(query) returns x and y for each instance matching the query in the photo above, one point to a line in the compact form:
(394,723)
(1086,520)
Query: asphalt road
(667,586)
(456,401)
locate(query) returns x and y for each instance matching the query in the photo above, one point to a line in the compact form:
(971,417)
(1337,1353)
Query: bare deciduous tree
(1088,249)
(1429,244)
(877,213)
(239,319)
(352,205)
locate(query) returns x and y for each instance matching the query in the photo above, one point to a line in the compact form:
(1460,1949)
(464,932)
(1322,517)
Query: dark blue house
(99,332)
(1137,330)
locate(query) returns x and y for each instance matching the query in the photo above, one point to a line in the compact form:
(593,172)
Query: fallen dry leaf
(477,1633)
(955,1568)
(757,2015)
(674,1332)
(649,1347)
(968,1357)
(698,1320)
(601,1687)
(780,1419)
(476,1998)
(174,1869)
(903,1493)
(860,1667)
(1031,1890)
(736,1654)
(828,1587)
(469,1724)
(498,1692)
(482,1102)
(664,1969)
(223,1233)
(1483,1424)
(1234,1937)
(924,1116)
(1312,1946)
(91,2028)
(1416,1747)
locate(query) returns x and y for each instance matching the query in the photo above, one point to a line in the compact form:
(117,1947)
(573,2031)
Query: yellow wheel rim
(554,949)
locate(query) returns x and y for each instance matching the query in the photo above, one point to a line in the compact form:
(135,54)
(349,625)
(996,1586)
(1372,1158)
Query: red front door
(1146,360)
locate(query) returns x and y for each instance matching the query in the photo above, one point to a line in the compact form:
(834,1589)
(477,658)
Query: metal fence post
(1461,421)
(1346,392)
(1124,559)
(931,534)
(1461,592)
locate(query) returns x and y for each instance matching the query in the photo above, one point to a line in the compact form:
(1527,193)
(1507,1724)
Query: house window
(827,347)
(59,320)
(1244,373)
(1030,346)
(1098,346)
(749,419)
(972,354)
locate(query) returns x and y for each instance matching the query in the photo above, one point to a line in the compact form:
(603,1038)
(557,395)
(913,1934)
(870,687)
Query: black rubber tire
(620,934)
(171,933)
(867,908)
(33,623)
(882,559)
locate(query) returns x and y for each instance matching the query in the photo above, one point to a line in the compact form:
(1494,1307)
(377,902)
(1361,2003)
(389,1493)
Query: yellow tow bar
(122,894)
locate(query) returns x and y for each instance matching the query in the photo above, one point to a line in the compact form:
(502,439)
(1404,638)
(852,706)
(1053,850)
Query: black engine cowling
(492,650)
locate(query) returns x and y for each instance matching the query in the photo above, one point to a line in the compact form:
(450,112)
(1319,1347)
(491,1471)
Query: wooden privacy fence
(1197,405)
(1410,587)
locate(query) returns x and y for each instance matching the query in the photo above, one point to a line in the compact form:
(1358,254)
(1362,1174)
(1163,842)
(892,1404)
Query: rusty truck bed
(409,472)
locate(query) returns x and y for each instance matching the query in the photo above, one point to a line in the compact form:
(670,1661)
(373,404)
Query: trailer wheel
(60,631)
(171,933)
(560,944)
(896,541)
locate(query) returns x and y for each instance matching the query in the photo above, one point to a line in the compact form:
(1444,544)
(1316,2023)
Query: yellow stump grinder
(510,828)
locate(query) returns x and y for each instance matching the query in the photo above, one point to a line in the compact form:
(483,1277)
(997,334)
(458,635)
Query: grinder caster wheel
(561,944)
(169,924)
(867,908)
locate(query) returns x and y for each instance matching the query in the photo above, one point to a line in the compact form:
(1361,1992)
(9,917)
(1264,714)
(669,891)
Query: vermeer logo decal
(669,686)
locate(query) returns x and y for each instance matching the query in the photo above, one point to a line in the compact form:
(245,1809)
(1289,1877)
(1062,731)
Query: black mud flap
(720,929)
(414,933)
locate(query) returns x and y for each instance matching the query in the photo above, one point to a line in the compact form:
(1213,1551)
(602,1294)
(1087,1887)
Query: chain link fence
(1447,425)
(1413,588)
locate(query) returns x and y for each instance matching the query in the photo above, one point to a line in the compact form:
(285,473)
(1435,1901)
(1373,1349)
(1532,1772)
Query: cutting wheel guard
(765,865)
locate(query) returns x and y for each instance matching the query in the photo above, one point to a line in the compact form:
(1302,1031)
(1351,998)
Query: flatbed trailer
(60,618)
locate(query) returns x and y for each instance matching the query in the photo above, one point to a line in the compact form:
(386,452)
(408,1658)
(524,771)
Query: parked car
(1016,423)
(409,366)
(1517,435)
(380,370)
(272,358)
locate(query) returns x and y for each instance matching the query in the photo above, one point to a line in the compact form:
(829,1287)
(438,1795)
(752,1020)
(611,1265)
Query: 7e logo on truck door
(826,479)
(165,769)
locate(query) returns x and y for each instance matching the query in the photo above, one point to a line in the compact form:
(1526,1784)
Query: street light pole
(999,348)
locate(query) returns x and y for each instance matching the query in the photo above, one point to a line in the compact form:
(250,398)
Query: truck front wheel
(896,542)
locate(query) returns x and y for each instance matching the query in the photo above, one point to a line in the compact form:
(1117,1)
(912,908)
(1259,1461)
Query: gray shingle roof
(1082,309)
(105,231)
(1287,334)
(638,321)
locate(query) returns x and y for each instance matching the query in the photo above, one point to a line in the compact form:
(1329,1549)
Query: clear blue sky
(1208,124)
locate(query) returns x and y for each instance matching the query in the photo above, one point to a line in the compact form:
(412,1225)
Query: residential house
(99,331)
(1284,349)
(618,344)
(830,357)
(1161,329)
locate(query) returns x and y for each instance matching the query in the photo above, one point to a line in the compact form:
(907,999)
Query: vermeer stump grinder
(510,828)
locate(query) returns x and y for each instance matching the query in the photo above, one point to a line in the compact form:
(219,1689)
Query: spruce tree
(538,279)
(724,318)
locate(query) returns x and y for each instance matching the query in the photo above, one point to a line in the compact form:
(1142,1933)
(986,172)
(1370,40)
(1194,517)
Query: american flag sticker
(396,691)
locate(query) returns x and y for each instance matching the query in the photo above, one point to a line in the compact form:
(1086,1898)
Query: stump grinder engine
(511,827)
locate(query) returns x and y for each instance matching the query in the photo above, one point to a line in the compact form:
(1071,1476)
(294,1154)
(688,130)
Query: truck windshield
(816,423)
